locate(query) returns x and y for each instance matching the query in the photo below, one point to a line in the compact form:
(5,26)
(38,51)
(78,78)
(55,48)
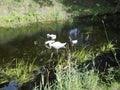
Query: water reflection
(78,38)
(11,86)
(78,34)
(74,33)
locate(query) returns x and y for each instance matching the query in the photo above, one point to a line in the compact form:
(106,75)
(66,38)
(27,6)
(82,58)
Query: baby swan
(52,36)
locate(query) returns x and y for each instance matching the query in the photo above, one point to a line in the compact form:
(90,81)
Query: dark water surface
(95,31)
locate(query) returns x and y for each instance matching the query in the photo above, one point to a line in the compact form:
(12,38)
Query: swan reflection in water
(11,86)
(78,38)
(73,36)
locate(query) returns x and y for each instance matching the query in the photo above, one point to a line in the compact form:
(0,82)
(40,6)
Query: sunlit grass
(83,55)
(109,46)
(18,71)
(31,13)
(71,78)
(22,12)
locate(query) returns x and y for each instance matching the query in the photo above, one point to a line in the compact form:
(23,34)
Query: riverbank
(15,13)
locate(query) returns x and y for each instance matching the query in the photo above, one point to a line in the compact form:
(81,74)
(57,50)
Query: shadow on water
(28,41)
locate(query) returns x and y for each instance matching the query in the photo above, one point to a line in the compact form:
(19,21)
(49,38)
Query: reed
(70,78)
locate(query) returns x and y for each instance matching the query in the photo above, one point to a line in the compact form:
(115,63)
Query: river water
(94,32)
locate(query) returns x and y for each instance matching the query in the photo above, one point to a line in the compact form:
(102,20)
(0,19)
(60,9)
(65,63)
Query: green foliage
(49,10)
(83,55)
(18,0)
(70,77)
(107,47)
(20,71)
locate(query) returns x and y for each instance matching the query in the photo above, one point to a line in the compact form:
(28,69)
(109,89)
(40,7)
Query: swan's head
(52,36)
(48,43)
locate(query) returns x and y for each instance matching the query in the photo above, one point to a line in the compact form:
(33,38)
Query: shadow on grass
(89,7)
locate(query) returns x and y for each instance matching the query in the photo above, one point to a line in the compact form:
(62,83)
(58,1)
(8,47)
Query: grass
(88,7)
(22,12)
(25,12)
(18,19)
(106,47)
(68,75)
(83,55)
(19,70)
(71,78)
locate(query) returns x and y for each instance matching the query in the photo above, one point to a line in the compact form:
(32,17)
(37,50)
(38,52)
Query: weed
(83,55)
(20,71)
(107,47)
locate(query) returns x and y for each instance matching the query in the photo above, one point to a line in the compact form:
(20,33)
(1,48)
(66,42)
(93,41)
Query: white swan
(48,42)
(52,36)
(73,42)
(57,45)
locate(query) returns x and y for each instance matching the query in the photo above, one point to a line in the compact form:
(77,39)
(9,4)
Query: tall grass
(18,71)
(106,47)
(72,78)
(83,55)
